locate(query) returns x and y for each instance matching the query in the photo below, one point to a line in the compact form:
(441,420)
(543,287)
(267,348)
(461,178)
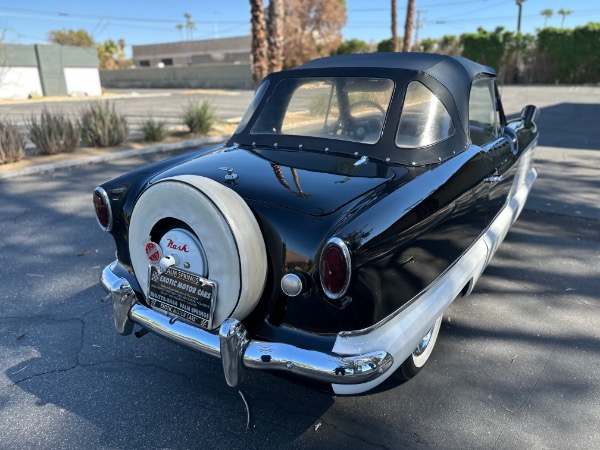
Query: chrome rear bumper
(236,350)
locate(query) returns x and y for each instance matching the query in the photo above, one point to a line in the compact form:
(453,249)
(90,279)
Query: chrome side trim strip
(513,207)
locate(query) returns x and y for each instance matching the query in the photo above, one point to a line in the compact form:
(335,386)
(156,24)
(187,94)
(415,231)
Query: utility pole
(418,25)
(520,5)
(394,28)
(518,62)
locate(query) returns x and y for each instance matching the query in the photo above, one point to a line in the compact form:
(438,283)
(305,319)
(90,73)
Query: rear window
(424,120)
(345,108)
(260,92)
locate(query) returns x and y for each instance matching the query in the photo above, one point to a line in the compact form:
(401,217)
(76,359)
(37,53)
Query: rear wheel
(415,362)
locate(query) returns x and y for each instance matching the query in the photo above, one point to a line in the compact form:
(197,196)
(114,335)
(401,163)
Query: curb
(115,155)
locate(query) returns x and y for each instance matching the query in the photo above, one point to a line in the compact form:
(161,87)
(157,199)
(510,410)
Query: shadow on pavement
(569,125)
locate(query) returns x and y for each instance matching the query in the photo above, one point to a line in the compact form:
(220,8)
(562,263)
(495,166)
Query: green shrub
(199,117)
(102,126)
(351,46)
(53,133)
(154,130)
(573,53)
(386,45)
(12,147)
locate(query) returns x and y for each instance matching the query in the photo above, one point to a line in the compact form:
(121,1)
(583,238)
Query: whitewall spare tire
(229,236)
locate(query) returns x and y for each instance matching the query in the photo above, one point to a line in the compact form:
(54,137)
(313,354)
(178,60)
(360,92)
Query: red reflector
(102,212)
(333,269)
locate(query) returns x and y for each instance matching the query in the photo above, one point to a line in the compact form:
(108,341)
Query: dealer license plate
(183,294)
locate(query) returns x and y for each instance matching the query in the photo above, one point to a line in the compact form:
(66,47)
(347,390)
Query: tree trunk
(408,26)
(275,27)
(394,28)
(259,41)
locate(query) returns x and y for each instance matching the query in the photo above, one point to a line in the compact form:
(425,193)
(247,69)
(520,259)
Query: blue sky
(152,21)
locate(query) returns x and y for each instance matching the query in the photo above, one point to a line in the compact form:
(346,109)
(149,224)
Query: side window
(483,113)
(424,120)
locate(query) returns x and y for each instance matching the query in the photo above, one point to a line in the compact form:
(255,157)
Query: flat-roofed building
(40,69)
(232,50)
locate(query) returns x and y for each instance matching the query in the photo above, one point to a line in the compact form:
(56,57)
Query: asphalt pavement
(166,104)
(517,364)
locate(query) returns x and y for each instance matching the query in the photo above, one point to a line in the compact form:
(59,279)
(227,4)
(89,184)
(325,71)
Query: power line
(21,12)
(472,11)
(428,6)
(40,16)
(479,19)
(89,16)
(529,16)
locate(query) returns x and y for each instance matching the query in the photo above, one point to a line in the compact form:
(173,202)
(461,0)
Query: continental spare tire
(227,232)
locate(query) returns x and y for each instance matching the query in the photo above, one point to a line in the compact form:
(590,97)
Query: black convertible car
(359,196)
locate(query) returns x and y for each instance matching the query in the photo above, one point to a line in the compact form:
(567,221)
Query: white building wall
(19,82)
(82,81)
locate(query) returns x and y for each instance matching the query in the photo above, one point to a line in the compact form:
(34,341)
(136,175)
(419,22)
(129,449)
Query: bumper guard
(236,350)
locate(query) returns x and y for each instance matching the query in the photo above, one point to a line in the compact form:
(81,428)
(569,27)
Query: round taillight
(335,268)
(102,207)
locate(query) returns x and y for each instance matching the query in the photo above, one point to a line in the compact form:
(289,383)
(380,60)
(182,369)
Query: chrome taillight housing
(335,268)
(103,210)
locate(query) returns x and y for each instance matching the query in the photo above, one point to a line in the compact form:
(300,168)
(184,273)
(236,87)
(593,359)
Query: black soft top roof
(454,72)
(425,62)
(448,77)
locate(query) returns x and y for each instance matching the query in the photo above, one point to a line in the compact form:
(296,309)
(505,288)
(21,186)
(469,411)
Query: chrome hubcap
(424,342)
(187,250)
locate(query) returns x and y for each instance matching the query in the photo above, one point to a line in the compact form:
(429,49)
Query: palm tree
(547,13)
(520,5)
(275,35)
(259,41)
(408,26)
(564,13)
(106,52)
(121,44)
(394,27)
(179,27)
(190,26)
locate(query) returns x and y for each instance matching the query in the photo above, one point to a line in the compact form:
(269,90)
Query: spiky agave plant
(12,146)
(102,126)
(199,117)
(53,132)
(153,130)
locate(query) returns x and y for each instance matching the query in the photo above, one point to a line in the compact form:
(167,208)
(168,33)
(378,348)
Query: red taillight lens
(102,208)
(335,270)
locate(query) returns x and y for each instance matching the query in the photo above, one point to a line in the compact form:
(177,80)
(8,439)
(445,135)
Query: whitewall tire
(417,359)
(226,228)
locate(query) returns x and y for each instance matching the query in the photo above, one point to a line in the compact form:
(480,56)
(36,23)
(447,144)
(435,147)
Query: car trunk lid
(314,183)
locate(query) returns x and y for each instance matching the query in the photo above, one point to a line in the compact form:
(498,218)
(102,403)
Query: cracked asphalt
(517,364)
